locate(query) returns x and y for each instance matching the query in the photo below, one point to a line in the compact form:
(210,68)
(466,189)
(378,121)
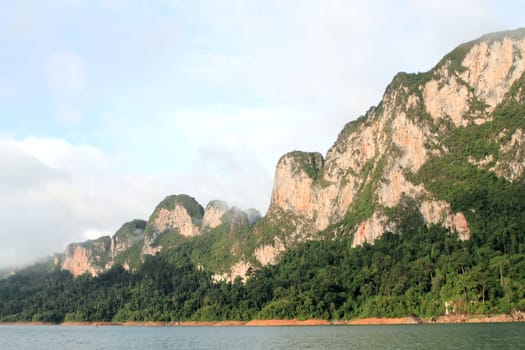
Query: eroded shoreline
(501,318)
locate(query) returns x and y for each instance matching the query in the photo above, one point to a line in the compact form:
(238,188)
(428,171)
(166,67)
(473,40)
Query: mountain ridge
(375,165)
(417,209)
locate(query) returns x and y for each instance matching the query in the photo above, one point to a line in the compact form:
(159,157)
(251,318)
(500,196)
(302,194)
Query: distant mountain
(178,218)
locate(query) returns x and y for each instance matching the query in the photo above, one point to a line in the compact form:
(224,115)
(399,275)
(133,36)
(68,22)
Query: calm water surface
(458,336)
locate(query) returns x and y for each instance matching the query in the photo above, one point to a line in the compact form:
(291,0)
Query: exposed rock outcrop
(213,214)
(368,230)
(368,168)
(237,219)
(439,212)
(176,218)
(373,169)
(177,214)
(88,257)
(268,254)
(240,270)
(128,235)
(96,256)
(512,164)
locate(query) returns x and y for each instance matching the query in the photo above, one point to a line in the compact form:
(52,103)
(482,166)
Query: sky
(108,106)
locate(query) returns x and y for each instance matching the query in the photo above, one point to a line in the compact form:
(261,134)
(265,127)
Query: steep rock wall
(371,168)
(175,215)
(374,155)
(213,214)
(176,219)
(88,257)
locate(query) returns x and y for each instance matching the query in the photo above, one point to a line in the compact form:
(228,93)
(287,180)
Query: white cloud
(61,154)
(218,152)
(20,171)
(53,192)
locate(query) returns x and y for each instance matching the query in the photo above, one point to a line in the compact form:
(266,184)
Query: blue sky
(106,106)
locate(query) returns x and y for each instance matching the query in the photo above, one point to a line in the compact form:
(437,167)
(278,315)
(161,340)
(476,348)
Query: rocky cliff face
(175,219)
(469,109)
(175,215)
(127,236)
(371,165)
(213,214)
(88,257)
(96,256)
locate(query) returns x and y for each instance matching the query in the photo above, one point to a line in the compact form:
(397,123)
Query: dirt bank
(459,318)
(462,318)
(380,321)
(287,323)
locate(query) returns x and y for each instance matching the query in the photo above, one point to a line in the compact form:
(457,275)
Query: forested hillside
(417,209)
(412,273)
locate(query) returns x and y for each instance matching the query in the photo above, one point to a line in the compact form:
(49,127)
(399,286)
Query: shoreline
(450,319)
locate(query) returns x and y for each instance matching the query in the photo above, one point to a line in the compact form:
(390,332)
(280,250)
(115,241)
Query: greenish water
(456,336)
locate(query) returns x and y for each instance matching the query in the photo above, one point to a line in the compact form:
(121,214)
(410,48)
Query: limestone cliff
(176,215)
(213,214)
(175,219)
(128,235)
(373,163)
(182,216)
(468,112)
(88,257)
(96,256)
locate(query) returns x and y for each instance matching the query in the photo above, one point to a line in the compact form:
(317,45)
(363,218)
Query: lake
(448,336)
